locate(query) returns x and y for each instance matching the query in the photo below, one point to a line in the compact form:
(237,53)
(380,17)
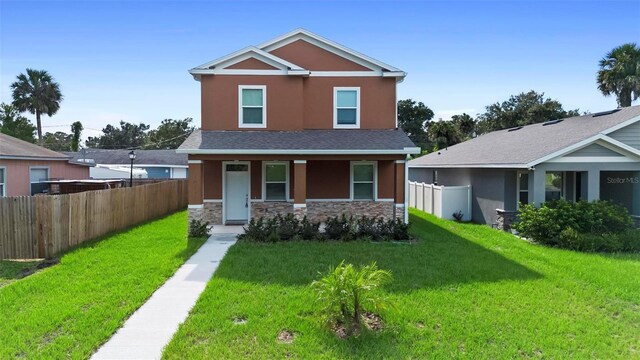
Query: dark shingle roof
(121,156)
(12,147)
(519,147)
(253,141)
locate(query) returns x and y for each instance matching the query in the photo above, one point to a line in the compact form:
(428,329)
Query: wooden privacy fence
(441,201)
(42,226)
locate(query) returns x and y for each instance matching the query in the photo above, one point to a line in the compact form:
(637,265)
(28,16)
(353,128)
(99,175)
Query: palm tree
(37,93)
(620,74)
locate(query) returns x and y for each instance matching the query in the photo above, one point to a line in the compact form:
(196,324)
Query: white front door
(236,193)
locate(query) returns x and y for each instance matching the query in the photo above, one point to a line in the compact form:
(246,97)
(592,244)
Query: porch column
(636,193)
(593,185)
(400,209)
(537,186)
(300,188)
(196,190)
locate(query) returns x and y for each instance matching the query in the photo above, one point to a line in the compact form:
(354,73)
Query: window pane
(362,172)
(347,116)
(1,175)
(347,98)
(363,191)
(252,116)
(251,97)
(553,186)
(524,181)
(276,191)
(237,167)
(524,197)
(276,172)
(37,175)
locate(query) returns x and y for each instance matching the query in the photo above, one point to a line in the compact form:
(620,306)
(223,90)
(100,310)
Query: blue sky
(129,60)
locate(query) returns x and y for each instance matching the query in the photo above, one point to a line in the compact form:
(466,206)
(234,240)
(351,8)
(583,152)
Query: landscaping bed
(462,290)
(70,309)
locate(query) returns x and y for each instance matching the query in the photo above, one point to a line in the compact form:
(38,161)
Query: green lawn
(463,291)
(70,309)
(11,271)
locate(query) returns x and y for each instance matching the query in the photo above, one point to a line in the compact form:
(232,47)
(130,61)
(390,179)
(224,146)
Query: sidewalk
(151,327)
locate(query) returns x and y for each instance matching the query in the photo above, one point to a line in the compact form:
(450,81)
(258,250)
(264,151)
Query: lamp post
(132,156)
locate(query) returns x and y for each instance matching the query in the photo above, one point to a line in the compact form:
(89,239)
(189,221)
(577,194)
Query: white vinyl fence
(441,201)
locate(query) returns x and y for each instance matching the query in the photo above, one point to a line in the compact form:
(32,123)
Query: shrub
(340,228)
(346,292)
(198,228)
(545,224)
(628,241)
(458,215)
(400,230)
(367,227)
(309,230)
(287,226)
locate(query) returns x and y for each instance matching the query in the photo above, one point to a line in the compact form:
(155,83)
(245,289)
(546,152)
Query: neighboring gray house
(158,164)
(588,157)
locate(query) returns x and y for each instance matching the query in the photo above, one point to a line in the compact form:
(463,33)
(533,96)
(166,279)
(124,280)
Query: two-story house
(298,124)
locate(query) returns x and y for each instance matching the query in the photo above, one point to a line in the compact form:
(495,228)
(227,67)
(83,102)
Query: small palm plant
(347,292)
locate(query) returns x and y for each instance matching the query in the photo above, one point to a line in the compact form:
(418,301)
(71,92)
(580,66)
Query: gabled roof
(329,45)
(530,145)
(284,67)
(12,148)
(121,157)
(320,142)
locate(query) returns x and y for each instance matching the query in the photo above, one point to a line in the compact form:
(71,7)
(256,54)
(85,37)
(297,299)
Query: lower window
(276,179)
(3,186)
(554,186)
(363,181)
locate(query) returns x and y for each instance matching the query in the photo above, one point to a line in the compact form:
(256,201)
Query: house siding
(315,58)
(491,188)
(17,173)
(594,150)
(629,135)
(296,103)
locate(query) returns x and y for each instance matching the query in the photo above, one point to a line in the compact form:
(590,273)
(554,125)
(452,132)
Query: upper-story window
(252,107)
(346,107)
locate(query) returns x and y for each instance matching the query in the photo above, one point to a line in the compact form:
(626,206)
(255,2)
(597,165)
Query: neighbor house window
(3,182)
(276,181)
(554,186)
(252,106)
(363,180)
(346,104)
(36,176)
(523,188)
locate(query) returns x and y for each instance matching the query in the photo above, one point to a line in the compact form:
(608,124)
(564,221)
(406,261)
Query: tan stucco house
(298,124)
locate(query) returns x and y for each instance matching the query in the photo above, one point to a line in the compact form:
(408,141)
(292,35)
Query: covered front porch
(618,182)
(232,189)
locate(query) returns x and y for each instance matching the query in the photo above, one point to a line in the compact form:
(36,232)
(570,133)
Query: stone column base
(299,212)
(195,214)
(505,219)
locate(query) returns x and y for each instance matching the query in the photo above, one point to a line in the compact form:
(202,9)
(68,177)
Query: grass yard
(463,291)
(11,271)
(70,309)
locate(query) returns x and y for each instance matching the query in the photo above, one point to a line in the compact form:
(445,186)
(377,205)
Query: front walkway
(150,328)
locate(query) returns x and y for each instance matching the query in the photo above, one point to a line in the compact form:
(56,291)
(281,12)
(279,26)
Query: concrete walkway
(152,326)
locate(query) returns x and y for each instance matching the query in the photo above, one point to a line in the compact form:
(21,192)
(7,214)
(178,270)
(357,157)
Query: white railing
(441,201)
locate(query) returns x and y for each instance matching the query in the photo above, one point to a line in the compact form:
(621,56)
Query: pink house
(24,165)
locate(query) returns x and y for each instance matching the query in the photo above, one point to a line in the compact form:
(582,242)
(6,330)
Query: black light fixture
(132,156)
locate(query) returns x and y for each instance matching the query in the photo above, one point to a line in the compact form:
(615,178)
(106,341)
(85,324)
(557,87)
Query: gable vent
(551,122)
(514,129)
(605,113)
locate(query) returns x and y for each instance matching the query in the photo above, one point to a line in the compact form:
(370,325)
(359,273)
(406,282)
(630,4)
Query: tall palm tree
(37,93)
(619,74)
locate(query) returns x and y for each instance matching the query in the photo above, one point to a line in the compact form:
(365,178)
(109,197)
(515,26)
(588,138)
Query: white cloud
(447,114)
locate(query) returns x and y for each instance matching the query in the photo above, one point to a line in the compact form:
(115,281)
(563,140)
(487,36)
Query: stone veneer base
(314,210)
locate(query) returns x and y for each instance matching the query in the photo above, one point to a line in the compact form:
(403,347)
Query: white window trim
(4,181)
(335,108)
(375,180)
(264,180)
(264,106)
